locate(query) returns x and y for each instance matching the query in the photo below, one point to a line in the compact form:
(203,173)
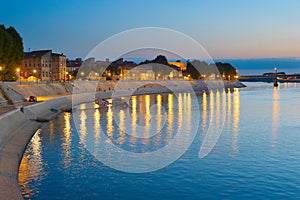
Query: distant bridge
(270,78)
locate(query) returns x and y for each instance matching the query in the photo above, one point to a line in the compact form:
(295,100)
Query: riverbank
(19,125)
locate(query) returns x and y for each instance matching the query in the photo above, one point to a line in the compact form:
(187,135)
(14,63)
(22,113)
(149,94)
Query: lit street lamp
(275,78)
(66,76)
(1,73)
(19,72)
(34,72)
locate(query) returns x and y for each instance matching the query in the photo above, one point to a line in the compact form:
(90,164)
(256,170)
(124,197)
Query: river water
(256,156)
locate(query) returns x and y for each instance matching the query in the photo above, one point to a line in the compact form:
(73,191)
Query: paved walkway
(5,109)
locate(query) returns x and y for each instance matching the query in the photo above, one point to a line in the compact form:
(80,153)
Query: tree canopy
(11,52)
(200,69)
(161,67)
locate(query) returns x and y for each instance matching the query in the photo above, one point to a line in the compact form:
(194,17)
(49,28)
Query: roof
(58,54)
(36,54)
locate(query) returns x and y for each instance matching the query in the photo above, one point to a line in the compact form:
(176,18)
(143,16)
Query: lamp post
(66,76)
(34,73)
(275,78)
(82,74)
(1,74)
(19,72)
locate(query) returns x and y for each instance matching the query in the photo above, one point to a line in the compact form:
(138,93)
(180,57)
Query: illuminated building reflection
(133,119)
(121,129)
(109,126)
(97,128)
(170,112)
(51,130)
(236,119)
(67,139)
(275,115)
(188,114)
(31,166)
(82,126)
(147,119)
(157,141)
(204,112)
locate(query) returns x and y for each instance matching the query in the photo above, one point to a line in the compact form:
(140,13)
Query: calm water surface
(257,155)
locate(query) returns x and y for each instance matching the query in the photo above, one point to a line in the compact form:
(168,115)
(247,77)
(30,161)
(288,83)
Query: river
(256,156)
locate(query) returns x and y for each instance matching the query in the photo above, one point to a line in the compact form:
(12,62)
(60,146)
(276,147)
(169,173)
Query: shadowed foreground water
(257,155)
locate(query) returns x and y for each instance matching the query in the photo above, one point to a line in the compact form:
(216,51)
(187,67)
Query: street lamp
(19,71)
(1,73)
(82,74)
(275,79)
(66,76)
(34,72)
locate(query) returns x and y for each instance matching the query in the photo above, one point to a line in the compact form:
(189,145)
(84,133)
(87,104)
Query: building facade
(43,65)
(36,65)
(59,67)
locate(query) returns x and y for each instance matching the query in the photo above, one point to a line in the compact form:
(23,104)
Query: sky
(228,29)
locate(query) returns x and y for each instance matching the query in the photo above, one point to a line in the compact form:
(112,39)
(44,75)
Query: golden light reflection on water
(170,118)
(109,126)
(121,138)
(51,130)
(215,105)
(31,166)
(82,126)
(229,107)
(157,141)
(97,128)
(188,114)
(236,119)
(204,111)
(180,107)
(218,107)
(67,140)
(147,119)
(170,112)
(211,105)
(159,113)
(133,118)
(276,107)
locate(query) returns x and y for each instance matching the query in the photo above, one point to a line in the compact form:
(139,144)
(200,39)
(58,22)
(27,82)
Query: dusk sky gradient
(226,29)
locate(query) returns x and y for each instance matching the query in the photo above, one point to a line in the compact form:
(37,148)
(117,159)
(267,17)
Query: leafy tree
(161,67)
(226,69)
(200,69)
(11,52)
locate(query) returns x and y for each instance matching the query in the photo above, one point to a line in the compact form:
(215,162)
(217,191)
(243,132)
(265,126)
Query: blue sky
(226,29)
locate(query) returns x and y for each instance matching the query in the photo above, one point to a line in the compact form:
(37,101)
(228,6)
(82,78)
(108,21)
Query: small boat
(103,102)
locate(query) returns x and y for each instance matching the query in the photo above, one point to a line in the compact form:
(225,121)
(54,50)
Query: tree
(11,52)
(226,69)
(160,67)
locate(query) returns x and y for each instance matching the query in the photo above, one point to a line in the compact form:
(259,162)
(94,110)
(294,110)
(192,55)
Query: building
(73,65)
(36,65)
(178,64)
(43,65)
(59,67)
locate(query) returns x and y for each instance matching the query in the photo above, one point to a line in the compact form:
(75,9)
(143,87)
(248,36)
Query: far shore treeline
(195,69)
(11,52)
